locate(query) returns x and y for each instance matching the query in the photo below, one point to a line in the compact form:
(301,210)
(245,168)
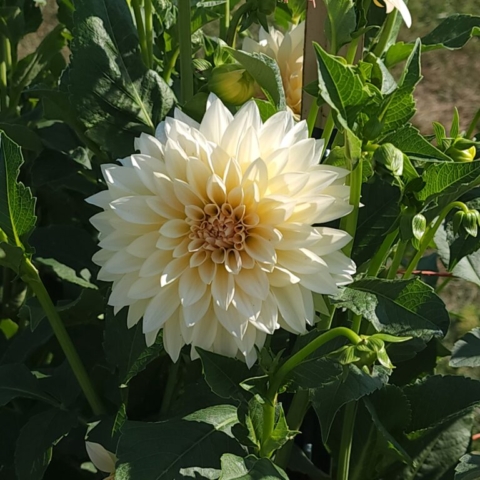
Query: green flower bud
(458,221)
(470,223)
(419,225)
(232,84)
(463,156)
(389,157)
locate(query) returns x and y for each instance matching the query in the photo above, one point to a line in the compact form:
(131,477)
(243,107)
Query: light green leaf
(249,468)
(340,87)
(399,307)
(466,352)
(163,450)
(340,23)
(266,73)
(66,273)
(37,437)
(16,381)
(116,97)
(17,206)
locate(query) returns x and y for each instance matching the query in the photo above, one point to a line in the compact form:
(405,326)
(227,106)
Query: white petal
(172,338)
(135,210)
(135,312)
(195,312)
(253,282)
(223,287)
(160,308)
(216,120)
(190,287)
(101,457)
(146,287)
(291,307)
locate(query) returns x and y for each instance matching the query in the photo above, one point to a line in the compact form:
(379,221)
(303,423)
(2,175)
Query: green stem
(473,124)
(386,33)
(149,32)
(312,116)
(232,29)
(356,323)
(346,441)
(3,72)
(352,50)
(29,275)
(167,73)
(443,285)
(185,40)
(295,415)
(225,21)
(429,234)
(379,258)
(137,11)
(287,367)
(397,259)
(349,223)
(327,133)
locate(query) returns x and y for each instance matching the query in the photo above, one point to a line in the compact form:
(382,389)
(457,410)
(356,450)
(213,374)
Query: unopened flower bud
(232,84)
(458,221)
(470,223)
(390,158)
(464,156)
(419,225)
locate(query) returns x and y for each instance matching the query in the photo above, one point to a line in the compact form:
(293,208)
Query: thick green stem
(429,234)
(149,32)
(327,133)
(346,441)
(386,34)
(295,415)
(167,72)
(349,223)
(30,276)
(185,41)
(473,125)
(225,21)
(397,259)
(379,258)
(232,29)
(352,50)
(137,11)
(4,47)
(287,367)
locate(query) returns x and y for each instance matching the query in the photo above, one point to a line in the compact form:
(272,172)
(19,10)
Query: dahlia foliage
(207,232)
(253,288)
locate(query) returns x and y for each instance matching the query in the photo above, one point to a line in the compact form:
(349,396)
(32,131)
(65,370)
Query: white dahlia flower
(287,50)
(207,232)
(401,6)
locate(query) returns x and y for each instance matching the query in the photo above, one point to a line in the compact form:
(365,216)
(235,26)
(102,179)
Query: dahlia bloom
(287,50)
(400,6)
(207,232)
(103,460)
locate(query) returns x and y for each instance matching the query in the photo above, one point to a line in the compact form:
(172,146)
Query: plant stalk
(397,259)
(232,29)
(346,441)
(137,11)
(185,41)
(29,275)
(327,133)
(4,47)
(312,116)
(386,33)
(225,21)
(379,258)
(149,32)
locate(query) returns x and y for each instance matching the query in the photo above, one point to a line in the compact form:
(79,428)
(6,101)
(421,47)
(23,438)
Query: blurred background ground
(450,79)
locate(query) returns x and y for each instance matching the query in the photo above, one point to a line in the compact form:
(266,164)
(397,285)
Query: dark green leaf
(116,97)
(249,468)
(224,375)
(266,73)
(26,137)
(468,468)
(328,399)
(340,87)
(11,256)
(466,352)
(16,380)
(37,437)
(125,348)
(169,450)
(66,273)
(17,206)
(313,372)
(398,307)
(340,23)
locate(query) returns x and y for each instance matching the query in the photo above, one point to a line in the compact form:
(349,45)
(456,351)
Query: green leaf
(34,446)
(25,136)
(11,256)
(398,307)
(16,380)
(249,468)
(17,206)
(340,87)
(466,352)
(313,372)
(115,96)
(266,73)
(409,140)
(446,182)
(468,468)
(65,273)
(125,349)
(379,213)
(224,375)
(340,23)
(168,450)
(355,384)
(453,33)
